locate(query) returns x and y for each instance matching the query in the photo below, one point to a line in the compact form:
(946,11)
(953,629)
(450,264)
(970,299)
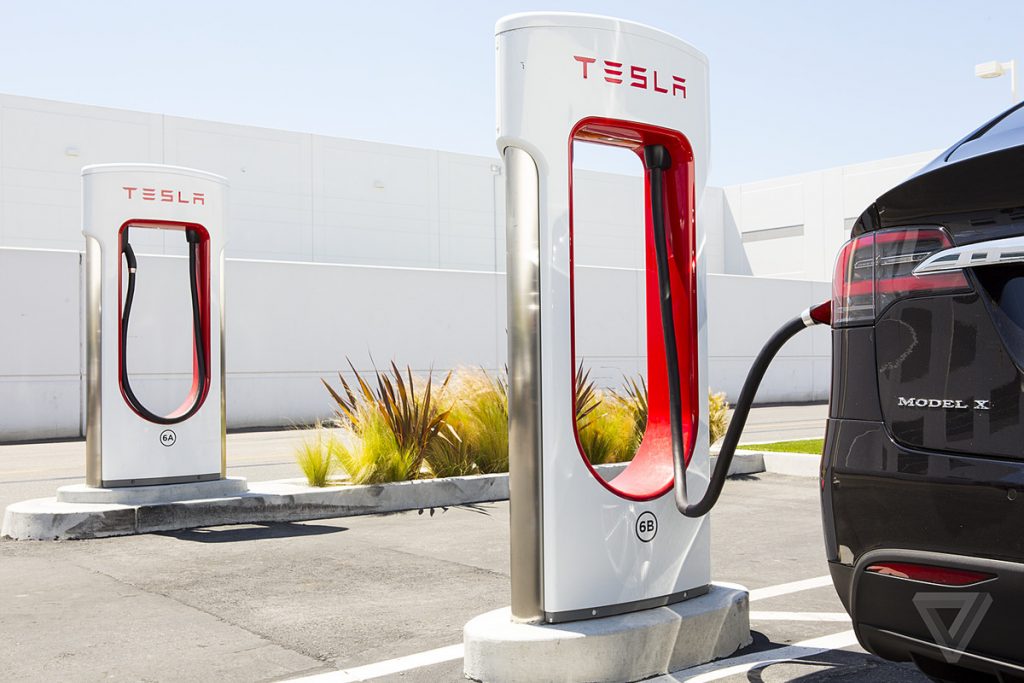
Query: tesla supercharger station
(128,443)
(581,546)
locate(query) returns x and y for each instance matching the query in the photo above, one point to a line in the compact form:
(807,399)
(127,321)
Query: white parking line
(740,665)
(390,666)
(792,587)
(446,654)
(800,616)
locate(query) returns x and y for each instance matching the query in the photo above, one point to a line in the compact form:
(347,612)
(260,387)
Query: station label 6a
(646,526)
(168,437)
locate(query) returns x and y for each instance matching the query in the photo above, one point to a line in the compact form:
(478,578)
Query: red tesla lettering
(639,76)
(584,61)
(612,71)
(129,190)
(149,194)
(677,86)
(199,198)
(181,200)
(166,196)
(656,88)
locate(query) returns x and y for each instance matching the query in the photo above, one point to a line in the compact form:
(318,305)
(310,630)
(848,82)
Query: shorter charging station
(133,451)
(599,566)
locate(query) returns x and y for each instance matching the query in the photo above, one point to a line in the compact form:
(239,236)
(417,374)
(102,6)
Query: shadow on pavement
(251,532)
(836,665)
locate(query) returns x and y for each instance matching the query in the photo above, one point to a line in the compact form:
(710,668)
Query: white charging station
(127,444)
(584,548)
(581,546)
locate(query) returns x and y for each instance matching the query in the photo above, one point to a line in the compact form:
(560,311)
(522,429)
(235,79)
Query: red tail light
(943,576)
(876,269)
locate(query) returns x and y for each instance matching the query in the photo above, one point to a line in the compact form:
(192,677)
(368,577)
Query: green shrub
(449,454)
(374,456)
(408,414)
(479,417)
(316,459)
(718,415)
(610,434)
(634,399)
(586,397)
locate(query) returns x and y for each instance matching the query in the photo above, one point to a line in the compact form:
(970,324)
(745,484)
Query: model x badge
(954,403)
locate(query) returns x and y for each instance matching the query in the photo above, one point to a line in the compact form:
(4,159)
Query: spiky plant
(409,412)
(449,454)
(586,396)
(479,416)
(718,415)
(610,436)
(373,456)
(315,457)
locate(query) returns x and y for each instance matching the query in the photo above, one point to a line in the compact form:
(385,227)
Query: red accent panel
(651,473)
(203,268)
(943,576)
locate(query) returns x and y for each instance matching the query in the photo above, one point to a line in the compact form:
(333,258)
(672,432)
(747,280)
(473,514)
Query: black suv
(922,477)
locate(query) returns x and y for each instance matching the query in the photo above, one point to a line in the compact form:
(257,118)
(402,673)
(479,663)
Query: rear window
(1007,132)
(1012,121)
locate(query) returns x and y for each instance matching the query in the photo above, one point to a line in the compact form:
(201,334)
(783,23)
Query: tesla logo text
(975,404)
(152,194)
(632,74)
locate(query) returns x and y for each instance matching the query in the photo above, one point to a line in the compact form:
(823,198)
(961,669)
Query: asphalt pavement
(283,601)
(357,598)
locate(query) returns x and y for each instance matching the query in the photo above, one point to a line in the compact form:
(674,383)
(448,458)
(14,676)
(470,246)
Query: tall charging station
(128,443)
(584,548)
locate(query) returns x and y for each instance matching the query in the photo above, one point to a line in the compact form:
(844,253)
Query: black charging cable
(194,244)
(658,160)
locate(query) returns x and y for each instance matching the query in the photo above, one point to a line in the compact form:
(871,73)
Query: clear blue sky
(795,85)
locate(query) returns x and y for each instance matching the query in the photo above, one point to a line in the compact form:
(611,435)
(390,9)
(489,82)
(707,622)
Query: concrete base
(628,647)
(148,495)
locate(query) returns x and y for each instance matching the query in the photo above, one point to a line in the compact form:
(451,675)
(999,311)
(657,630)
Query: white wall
(792,227)
(311,198)
(290,324)
(294,196)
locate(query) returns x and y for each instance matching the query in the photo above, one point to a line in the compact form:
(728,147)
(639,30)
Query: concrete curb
(627,647)
(774,462)
(273,501)
(286,501)
(743,462)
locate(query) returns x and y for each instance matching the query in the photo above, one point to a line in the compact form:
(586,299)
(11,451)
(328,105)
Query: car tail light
(876,269)
(943,576)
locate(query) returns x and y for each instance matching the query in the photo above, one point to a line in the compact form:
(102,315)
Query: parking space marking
(388,667)
(792,587)
(799,616)
(450,652)
(740,665)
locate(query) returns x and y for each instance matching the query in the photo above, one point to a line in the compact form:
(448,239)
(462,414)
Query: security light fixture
(995,69)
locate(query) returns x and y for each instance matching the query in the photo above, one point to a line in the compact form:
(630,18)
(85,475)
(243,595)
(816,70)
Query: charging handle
(200,378)
(658,160)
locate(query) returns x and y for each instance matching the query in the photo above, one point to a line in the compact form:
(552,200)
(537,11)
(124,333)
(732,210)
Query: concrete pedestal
(149,495)
(627,647)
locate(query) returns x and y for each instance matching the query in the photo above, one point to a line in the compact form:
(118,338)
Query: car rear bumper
(973,626)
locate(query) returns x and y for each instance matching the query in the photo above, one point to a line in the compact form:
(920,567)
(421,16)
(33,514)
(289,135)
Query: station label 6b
(646,526)
(168,437)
